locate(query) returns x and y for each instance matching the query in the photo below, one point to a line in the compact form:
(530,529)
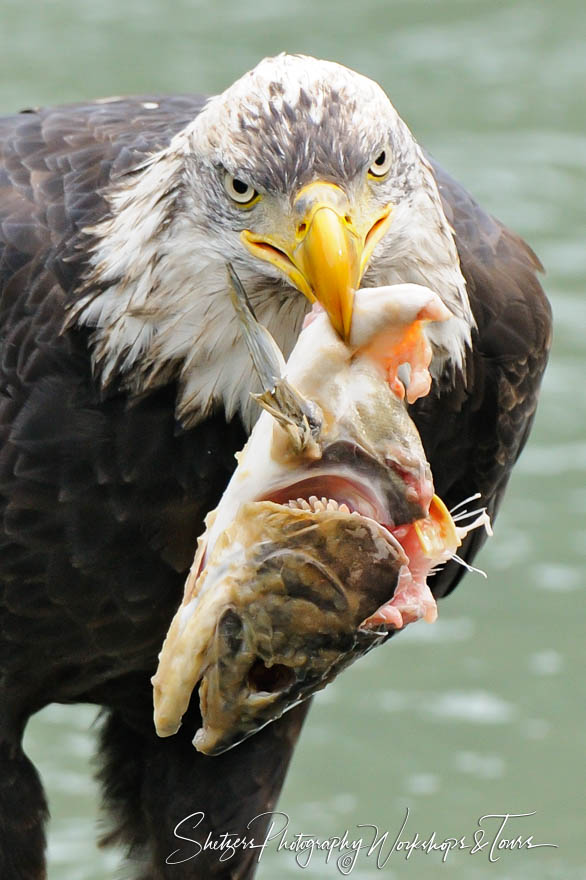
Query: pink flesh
(412,599)
(310,317)
(403,344)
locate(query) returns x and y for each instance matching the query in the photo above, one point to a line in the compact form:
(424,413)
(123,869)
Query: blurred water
(483,712)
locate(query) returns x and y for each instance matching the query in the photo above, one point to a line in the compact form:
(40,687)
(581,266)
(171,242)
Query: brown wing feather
(100,507)
(474,433)
(100,503)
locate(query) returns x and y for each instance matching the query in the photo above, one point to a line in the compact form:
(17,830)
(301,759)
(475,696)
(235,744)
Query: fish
(320,547)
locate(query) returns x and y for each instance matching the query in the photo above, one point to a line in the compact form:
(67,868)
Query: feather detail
(155,295)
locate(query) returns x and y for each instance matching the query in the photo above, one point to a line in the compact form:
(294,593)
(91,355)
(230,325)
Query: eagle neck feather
(155,298)
(155,294)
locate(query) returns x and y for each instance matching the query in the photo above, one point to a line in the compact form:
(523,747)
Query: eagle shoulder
(101,499)
(474,430)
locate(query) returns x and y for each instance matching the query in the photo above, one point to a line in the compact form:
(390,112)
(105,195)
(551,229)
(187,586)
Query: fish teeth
(298,504)
(317,505)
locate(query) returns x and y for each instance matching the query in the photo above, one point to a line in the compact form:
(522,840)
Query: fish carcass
(322,542)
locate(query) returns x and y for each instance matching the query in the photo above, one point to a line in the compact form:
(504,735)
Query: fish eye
(381,164)
(239,191)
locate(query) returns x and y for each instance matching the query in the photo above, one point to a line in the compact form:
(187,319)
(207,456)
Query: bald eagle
(125,391)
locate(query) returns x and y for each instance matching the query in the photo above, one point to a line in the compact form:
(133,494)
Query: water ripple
(479,707)
(481,765)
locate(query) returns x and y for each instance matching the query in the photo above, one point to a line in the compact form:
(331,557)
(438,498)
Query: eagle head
(305,178)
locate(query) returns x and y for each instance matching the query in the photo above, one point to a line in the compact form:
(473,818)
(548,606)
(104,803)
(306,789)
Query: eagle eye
(381,164)
(239,191)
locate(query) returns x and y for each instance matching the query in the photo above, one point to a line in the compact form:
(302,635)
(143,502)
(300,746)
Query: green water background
(484,711)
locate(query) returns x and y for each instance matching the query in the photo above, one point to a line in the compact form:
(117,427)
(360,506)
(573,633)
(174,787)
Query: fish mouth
(351,480)
(420,528)
(331,492)
(341,496)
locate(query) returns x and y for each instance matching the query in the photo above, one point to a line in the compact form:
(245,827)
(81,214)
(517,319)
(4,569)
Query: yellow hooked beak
(327,253)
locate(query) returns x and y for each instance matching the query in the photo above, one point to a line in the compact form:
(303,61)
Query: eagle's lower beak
(327,253)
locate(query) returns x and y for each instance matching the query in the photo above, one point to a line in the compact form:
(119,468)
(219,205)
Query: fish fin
(266,355)
(300,417)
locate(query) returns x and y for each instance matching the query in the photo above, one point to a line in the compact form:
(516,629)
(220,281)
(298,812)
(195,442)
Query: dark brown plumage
(102,497)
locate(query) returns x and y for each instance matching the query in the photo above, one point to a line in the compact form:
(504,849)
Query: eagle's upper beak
(329,250)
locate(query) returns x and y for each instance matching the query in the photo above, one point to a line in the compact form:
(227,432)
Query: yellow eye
(239,191)
(381,164)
